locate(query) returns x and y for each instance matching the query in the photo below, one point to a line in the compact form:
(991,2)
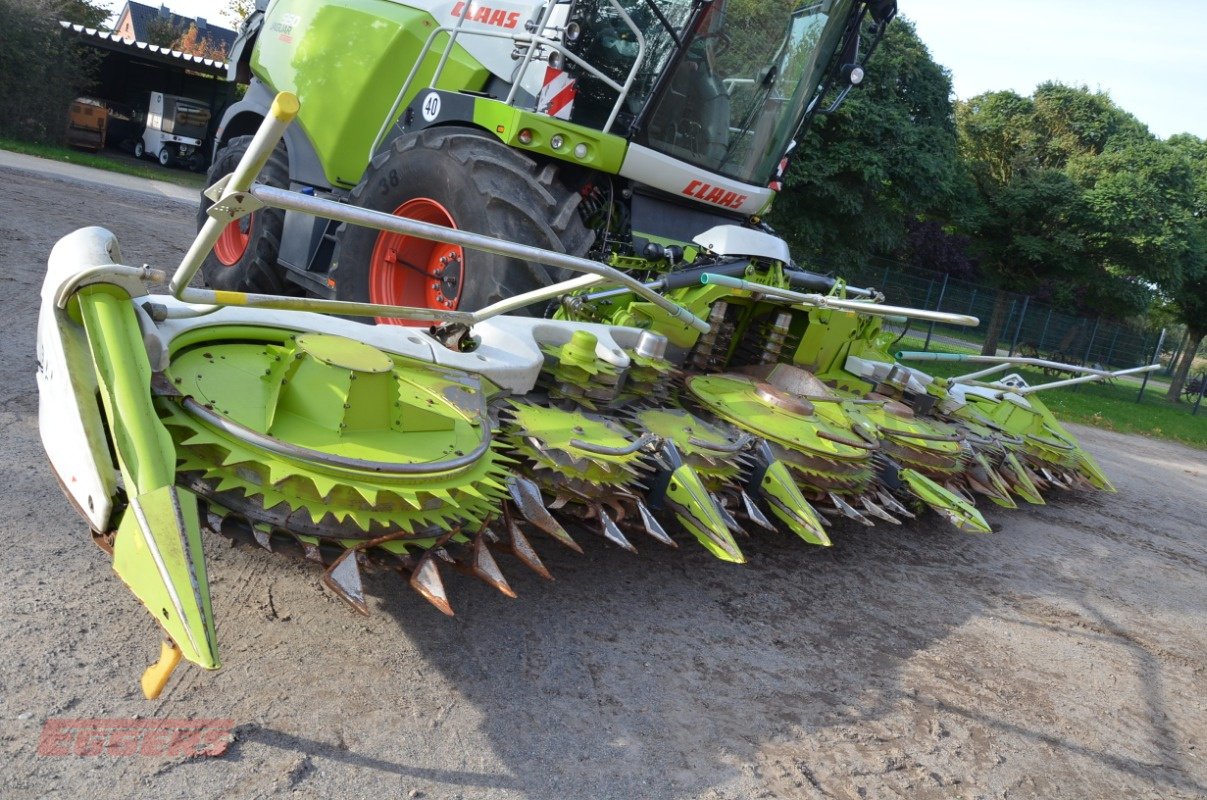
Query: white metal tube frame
(825,301)
(533,43)
(284,108)
(238,196)
(1026,390)
(1002,363)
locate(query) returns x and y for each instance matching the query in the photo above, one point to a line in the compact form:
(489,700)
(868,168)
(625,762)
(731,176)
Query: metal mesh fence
(1028,327)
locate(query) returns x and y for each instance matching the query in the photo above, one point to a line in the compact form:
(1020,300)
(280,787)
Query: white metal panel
(679,178)
(495,16)
(69,421)
(734,240)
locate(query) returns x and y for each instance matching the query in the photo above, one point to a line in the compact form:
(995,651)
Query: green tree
(1021,228)
(1072,121)
(89,13)
(41,71)
(1137,223)
(192,42)
(1120,225)
(1190,307)
(888,156)
(236,11)
(162,32)
(1189,303)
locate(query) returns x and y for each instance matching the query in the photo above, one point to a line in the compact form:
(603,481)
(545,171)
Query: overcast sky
(1150,56)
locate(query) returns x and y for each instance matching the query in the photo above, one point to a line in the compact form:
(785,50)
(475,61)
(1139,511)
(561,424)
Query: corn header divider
(739,404)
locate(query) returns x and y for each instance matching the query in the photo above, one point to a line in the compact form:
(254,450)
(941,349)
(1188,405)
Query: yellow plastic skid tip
(285,106)
(157,675)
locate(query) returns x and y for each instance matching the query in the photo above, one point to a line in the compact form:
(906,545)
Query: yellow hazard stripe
(230,298)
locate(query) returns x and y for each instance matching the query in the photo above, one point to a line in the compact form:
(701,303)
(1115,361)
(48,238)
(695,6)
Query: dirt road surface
(1060,657)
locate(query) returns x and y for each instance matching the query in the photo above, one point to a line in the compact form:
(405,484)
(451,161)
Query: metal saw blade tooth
(263,537)
(426,580)
(486,569)
(755,513)
(214,520)
(877,511)
(523,550)
(344,579)
(528,500)
(729,519)
(652,526)
(849,511)
(612,532)
(312,552)
(892,503)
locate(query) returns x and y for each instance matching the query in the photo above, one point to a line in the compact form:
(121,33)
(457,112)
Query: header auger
(429,451)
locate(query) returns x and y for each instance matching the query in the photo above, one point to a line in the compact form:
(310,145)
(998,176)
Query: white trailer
(175,130)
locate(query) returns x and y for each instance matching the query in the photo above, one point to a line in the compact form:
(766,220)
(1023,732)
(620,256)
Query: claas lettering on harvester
(566,344)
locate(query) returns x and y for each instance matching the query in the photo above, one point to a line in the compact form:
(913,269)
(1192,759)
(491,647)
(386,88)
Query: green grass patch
(915,342)
(99,161)
(1111,406)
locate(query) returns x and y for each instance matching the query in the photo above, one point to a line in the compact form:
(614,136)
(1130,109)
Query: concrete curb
(98,177)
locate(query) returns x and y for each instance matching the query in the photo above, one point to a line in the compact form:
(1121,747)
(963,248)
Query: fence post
(1044,333)
(1005,329)
(1085,360)
(1106,362)
(1018,329)
(1090,344)
(884,281)
(1202,390)
(1153,360)
(938,306)
(971,301)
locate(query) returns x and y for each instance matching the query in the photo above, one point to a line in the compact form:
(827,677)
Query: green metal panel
(346,61)
(605,152)
(157,549)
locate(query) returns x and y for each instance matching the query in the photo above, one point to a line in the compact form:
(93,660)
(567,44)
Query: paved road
(1060,658)
(90,176)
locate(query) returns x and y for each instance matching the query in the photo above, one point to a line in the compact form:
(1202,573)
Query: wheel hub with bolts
(447,286)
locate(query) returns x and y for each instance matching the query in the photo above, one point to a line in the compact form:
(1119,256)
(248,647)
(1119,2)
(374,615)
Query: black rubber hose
(691,277)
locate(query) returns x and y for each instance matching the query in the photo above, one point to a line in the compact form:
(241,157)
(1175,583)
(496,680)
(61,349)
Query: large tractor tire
(245,257)
(459,178)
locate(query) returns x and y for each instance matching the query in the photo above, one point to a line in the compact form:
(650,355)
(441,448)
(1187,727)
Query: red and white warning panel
(557,94)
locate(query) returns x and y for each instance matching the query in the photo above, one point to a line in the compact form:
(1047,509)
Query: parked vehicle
(175,131)
(87,123)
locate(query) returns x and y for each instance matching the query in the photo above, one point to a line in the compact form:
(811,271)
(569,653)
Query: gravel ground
(1061,657)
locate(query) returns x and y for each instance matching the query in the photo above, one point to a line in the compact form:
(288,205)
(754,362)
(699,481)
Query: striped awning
(113,41)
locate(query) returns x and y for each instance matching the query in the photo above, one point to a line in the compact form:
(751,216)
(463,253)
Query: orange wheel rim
(233,241)
(409,271)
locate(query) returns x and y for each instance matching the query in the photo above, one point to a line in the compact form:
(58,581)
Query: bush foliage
(41,71)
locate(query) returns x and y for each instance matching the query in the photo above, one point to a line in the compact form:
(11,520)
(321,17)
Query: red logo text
(135,737)
(712,194)
(498,17)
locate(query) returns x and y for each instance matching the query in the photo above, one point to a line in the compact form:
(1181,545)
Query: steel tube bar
(316,206)
(915,355)
(823,301)
(284,108)
(1086,379)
